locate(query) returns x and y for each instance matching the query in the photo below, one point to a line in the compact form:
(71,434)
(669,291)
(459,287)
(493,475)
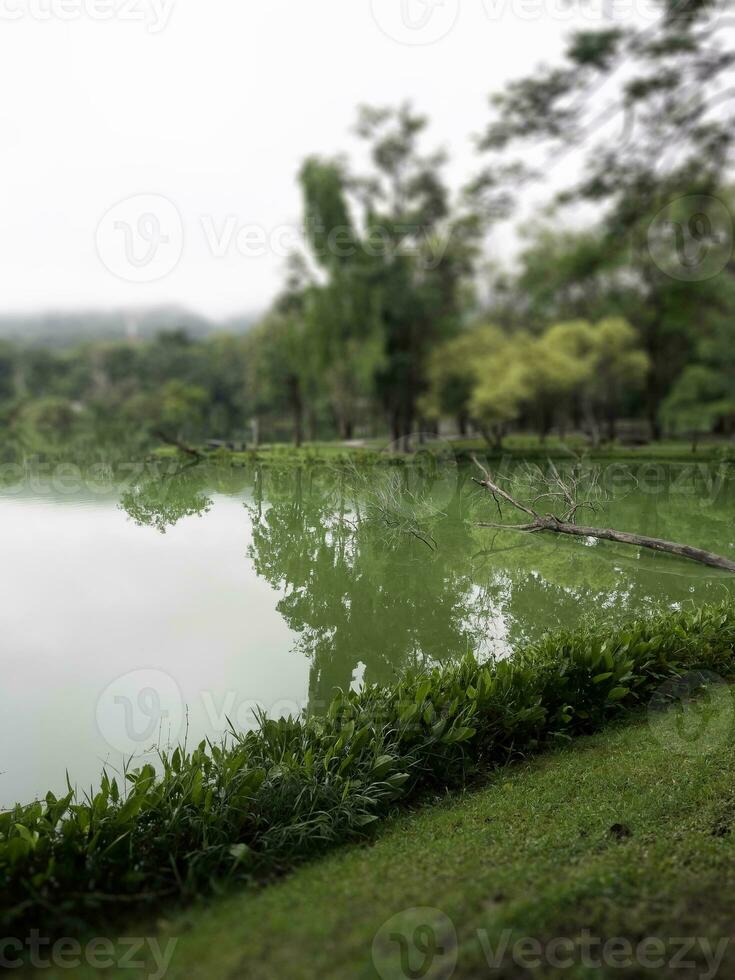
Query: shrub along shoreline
(289,790)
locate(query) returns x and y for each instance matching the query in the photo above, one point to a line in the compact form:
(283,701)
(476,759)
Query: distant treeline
(70,329)
(395,318)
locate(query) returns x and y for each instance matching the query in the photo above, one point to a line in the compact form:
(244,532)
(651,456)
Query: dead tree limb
(181,446)
(567,524)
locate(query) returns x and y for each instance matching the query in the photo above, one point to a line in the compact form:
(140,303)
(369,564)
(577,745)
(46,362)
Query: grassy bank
(627,834)
(376,451)
(295,788)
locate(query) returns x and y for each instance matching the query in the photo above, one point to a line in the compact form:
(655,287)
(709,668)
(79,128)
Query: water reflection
(356,594)
(163,501)
(375,571)
(274,584)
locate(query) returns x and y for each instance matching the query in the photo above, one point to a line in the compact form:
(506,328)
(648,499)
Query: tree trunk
(652,405)
(493,436)
(297,408)
(545,425)
(311,425)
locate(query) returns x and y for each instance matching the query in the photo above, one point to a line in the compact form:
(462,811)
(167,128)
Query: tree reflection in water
(162,501)
(384,568)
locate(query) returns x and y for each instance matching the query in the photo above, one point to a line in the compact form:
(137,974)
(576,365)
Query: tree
(696,402)
(500,389)
(619,367)
(344,312)
(182,407)
(552,373)
(659,184)
(477,375)
(573,369)
(8,372)
(450,380)
(283,362)
(424,251)
(562,276)
(395,258)
(285,357)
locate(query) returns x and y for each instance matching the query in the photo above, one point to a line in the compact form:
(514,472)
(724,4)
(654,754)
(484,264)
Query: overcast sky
(196,114)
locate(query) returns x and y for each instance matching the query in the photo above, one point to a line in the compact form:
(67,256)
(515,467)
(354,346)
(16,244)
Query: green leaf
(364,819)
(382,765)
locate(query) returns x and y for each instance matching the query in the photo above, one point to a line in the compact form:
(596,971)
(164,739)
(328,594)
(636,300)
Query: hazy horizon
(201,114)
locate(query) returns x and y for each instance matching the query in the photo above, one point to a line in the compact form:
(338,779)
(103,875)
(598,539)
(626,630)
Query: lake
(146,605)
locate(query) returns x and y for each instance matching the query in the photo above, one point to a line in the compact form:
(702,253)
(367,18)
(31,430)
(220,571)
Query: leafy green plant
(273,797)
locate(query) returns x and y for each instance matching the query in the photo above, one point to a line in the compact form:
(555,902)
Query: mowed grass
(627,834)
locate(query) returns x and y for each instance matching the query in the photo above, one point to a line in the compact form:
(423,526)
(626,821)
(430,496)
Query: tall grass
(293,788)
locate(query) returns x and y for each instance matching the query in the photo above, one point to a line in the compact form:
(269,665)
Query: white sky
(215,111)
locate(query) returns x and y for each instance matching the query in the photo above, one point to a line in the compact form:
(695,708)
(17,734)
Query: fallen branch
(552,523)
(181,446)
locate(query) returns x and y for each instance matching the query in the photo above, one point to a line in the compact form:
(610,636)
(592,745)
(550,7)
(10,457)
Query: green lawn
(626,834)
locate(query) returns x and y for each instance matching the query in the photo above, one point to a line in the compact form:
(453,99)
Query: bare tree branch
(568,491)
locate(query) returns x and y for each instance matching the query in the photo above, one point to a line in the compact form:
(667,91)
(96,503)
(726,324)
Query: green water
(146,606)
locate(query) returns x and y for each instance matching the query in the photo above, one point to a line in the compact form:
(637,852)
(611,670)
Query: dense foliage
(293,787)
(645,115)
